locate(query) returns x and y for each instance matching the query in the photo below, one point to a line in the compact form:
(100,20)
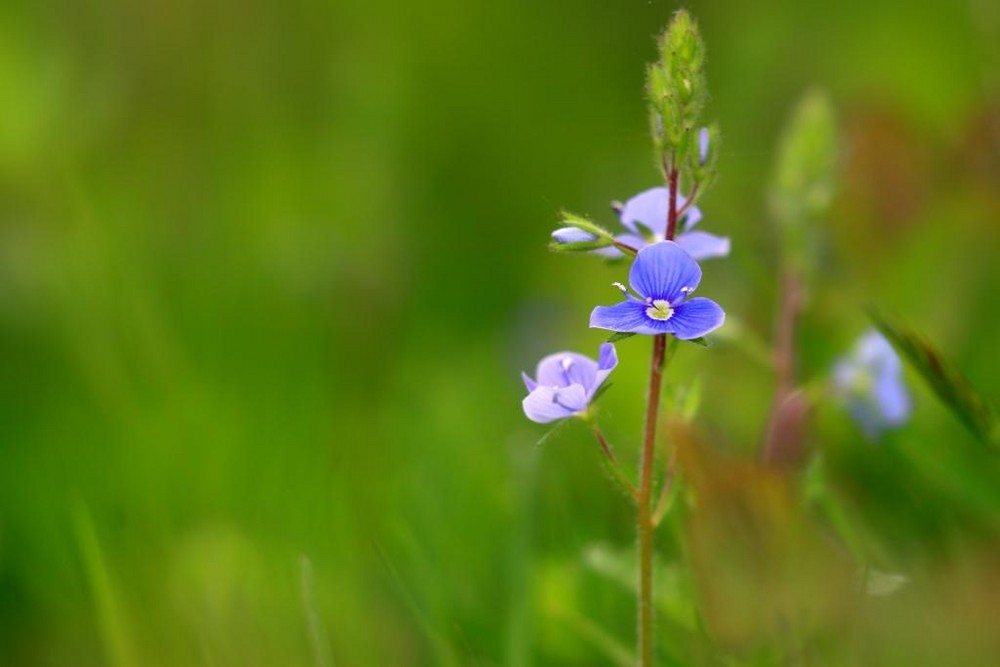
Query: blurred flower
(870,381)
(645,216)
(565,383)
(663,275)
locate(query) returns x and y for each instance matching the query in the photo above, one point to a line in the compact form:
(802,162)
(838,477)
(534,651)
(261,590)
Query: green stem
(644,519)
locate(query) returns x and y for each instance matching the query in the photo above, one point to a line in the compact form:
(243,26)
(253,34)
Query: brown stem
(644,522)
(689,202)
(672,208)
(784,365)
(625,247)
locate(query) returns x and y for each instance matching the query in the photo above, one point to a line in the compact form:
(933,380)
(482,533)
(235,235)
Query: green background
(269,273)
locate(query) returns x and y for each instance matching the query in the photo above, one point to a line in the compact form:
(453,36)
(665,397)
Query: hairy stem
(644,519)
(672,208)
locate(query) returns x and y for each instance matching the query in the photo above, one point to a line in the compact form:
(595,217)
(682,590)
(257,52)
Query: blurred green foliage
(268,272)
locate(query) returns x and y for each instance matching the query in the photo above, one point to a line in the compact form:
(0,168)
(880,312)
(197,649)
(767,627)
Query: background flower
(648,210)
(871,382)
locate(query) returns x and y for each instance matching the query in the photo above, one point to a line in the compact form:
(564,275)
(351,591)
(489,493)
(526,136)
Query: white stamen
(685,290)
(566,363)
(660,310)
(620,287)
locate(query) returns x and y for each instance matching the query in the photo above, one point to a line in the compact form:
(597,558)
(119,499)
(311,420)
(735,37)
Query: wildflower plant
(664,271)
(772,499)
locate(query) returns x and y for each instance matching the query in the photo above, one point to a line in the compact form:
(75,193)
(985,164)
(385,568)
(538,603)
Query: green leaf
(954,390)
(700,341)
(619,335)
(579,246)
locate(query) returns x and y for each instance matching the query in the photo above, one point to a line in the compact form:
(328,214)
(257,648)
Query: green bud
(676,89)
(579,222)
(803,183)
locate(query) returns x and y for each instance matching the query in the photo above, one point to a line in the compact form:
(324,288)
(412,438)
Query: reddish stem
(672,208)
(644,520)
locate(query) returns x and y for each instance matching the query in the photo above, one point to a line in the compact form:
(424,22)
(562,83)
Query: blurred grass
(268,273)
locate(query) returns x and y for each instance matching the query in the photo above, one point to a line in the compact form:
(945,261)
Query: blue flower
(870,381)
(649,209)
(565,383)
(663,275)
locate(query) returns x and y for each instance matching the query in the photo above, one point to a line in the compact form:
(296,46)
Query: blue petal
(545,404)
(628,316)
(528,382)
(572,235)
(695,318)
(563,369)
(892,397)
(702,245)
(662,270)
(648,208)
(607,360)
(703,138)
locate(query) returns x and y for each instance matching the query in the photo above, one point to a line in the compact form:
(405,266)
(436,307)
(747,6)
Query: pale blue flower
(645,216)
(870,381)
(565,383)
(663,276)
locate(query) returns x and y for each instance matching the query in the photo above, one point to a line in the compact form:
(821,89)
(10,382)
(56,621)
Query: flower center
(660,310)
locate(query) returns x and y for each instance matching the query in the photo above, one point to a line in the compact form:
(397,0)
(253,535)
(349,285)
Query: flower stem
(779,445)
(644,519)
(672,209)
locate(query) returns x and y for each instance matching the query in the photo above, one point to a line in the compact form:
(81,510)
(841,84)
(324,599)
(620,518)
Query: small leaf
(644,231)
(944,379)
(700,340)
(579,246)
(619,335)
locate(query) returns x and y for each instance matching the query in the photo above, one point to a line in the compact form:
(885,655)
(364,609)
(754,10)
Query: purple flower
(649,209)
(870,381)
(565,383)
(663,275)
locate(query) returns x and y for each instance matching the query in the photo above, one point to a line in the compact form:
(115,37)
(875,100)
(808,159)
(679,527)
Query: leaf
(954,390)
(579,246)
(700,341)
(619,335)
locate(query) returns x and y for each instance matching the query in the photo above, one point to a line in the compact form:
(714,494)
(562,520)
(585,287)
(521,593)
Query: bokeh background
(269,272)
